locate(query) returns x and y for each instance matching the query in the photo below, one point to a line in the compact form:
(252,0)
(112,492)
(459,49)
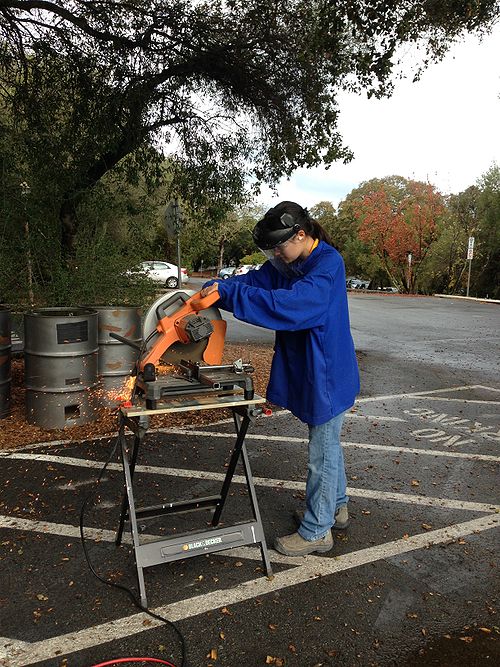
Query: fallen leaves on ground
(15,431)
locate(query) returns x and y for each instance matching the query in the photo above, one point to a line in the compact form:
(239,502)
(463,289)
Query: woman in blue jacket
(301,294)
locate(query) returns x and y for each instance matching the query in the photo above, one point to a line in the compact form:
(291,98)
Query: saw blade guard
(166,310)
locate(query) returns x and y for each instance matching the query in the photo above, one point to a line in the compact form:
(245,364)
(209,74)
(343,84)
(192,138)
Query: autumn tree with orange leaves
(397,220)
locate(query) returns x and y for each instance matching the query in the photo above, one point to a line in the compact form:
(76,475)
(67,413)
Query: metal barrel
(5,361)
(60,366)
(116,359)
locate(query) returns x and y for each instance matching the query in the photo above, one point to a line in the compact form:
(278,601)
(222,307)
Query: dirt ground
(16,432)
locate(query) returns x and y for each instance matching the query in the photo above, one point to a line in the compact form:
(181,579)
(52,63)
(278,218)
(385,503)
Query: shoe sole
(304,552)
(336,526)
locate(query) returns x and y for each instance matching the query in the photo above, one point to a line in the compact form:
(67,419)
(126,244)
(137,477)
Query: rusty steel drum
(116,359)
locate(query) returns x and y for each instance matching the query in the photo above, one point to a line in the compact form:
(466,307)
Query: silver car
(226,272)
(163,272)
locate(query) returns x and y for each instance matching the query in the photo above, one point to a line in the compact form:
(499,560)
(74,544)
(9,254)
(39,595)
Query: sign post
(470,255)
(173,227)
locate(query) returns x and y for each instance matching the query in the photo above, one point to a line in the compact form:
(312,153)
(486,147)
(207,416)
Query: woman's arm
(303,306)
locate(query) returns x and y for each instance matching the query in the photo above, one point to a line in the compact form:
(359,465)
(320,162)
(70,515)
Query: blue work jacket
(314,371)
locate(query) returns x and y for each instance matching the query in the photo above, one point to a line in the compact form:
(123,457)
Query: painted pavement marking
(429,501)
(360,445)
(429,392)
(311,567)
(17,455)
(21,653)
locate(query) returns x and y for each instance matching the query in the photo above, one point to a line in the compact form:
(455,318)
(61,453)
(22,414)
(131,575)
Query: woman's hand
(205,291)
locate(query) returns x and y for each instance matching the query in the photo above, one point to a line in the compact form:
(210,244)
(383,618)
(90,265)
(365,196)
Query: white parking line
(213,434)
(416,394)
(454,400)
(21,654)
(167,429)
(362,445)
(267,482)
(281,412)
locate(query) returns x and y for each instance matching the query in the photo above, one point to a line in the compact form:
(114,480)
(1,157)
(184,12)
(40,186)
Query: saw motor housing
(186,326)
(194,328)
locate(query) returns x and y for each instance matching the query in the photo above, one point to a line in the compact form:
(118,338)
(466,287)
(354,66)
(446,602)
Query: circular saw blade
(177,351)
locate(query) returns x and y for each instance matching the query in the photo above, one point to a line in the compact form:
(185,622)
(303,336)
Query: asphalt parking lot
(413,581)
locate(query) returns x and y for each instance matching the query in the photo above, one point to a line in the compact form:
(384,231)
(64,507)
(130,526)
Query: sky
(444,129)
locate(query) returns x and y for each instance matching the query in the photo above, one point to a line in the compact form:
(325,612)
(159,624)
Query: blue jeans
(326,479)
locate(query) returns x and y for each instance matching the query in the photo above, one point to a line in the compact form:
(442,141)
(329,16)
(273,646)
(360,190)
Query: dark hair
(302,218)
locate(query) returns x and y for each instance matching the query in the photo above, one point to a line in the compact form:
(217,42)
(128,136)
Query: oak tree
(236,91)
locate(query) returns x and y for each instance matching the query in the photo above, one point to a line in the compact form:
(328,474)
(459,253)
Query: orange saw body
(183,330)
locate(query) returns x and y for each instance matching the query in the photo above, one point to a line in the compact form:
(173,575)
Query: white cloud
(443,129)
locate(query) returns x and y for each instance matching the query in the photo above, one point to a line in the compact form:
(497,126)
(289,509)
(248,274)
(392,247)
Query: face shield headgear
(273,233)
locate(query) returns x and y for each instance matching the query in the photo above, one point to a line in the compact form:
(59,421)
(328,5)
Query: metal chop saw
(183,334)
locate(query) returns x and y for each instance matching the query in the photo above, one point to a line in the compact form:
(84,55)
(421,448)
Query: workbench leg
(129,501)
(133,461)
(240,439)
(255,509)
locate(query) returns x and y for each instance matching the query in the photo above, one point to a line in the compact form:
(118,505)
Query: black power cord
(113,584)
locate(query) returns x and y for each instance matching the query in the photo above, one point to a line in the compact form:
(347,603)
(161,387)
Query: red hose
(117,661)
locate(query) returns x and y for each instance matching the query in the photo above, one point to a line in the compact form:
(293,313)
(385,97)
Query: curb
(467,298)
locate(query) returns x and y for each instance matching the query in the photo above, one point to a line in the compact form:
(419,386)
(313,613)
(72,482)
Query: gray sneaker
(296,545)
(341,518)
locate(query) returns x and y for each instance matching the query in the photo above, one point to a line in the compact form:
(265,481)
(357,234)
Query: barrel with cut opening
(5,361)
(117,359)
(60,361)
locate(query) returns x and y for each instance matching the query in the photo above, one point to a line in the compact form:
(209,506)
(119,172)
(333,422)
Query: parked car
(357,283)
(226,272)
(162,272)
(244,268)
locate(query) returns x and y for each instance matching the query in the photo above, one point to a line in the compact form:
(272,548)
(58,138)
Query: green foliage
(246,91)
(120,225)
(219,241)
(254,258)
(241,92)
(487,253)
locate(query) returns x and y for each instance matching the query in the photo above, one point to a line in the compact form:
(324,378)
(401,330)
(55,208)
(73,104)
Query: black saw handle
(125,340)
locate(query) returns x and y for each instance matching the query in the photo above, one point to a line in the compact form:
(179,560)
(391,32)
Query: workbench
(172,547)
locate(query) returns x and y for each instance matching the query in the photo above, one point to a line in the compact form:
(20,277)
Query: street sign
(173,220)
(470,248)
(470,255)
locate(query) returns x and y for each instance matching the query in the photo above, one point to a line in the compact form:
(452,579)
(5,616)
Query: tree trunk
(221,254)
(29,263)
(69,228)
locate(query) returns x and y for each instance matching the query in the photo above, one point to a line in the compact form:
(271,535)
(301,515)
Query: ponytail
(317,231)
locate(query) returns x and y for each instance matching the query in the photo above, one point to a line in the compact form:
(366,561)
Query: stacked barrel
(61,364)
(116,358)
